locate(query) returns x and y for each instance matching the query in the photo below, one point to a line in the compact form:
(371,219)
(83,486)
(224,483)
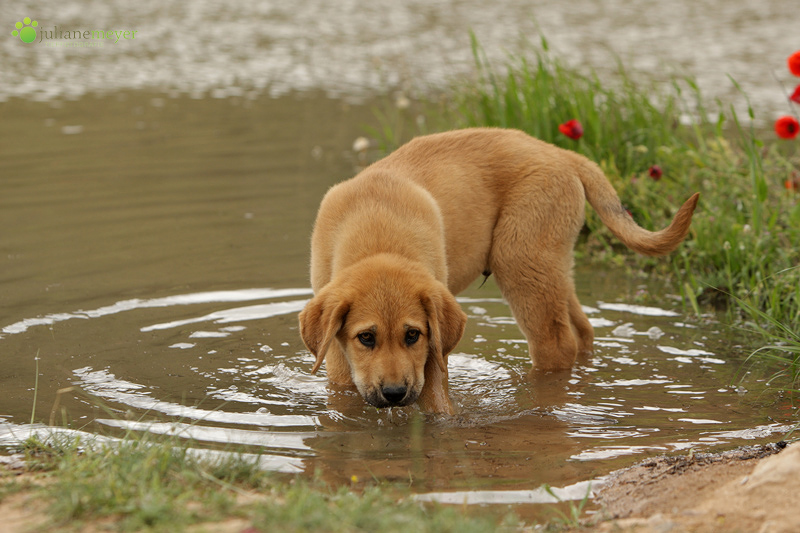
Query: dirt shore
(751,489)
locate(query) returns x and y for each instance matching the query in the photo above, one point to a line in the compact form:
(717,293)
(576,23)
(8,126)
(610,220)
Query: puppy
(392,245)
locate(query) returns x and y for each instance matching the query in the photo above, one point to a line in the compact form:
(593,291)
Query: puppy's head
(388,317)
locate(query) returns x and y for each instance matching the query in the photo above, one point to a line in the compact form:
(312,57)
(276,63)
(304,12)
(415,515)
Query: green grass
(783,349)
(138,484)
(744,248)
(571,519)
(624,126)
(159,485)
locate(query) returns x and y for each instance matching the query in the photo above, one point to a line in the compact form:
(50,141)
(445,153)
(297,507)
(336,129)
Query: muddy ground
(751,489)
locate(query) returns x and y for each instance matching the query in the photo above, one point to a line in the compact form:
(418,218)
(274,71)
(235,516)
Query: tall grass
(624,126)
(745,239)
(782,349)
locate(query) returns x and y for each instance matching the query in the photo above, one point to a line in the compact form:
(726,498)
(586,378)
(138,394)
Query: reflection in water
(576,491)
(255,312)
(104,385)
(12,435)
(262,439)
(188,299)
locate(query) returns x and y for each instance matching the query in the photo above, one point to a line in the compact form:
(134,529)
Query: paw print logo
(25,30)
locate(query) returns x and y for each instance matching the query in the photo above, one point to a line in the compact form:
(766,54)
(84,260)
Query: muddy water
(153,257)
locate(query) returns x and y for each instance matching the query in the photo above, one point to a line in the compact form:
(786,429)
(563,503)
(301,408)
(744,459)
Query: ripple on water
(250,385)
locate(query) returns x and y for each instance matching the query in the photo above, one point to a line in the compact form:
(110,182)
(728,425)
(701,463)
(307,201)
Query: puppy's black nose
(394,394)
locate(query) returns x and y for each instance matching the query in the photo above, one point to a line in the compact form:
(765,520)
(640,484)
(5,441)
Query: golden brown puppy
(393,245)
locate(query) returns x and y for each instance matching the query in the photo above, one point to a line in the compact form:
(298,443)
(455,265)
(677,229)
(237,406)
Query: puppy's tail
(603,198)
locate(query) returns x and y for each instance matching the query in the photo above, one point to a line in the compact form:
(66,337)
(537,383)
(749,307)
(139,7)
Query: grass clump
(143,484)
(783,349)
(624,126)
(137,484)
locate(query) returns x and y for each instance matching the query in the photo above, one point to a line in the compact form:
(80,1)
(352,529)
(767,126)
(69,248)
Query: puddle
(152,267)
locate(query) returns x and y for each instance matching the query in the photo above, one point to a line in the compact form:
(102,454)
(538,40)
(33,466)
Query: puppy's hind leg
(582,327)
(543,314)
(533,269)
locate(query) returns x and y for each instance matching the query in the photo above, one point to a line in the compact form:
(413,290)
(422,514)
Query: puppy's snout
(394,394)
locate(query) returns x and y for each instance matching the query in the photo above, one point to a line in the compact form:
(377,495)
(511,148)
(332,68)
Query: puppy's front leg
(434,397)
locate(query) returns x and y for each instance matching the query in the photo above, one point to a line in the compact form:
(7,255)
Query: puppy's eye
(367,338)
(412,336)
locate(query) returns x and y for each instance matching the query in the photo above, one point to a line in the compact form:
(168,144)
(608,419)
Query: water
(156,209)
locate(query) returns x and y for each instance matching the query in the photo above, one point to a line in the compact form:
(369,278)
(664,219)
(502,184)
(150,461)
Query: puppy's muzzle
(391,395)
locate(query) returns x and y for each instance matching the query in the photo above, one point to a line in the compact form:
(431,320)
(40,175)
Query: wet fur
(392,245)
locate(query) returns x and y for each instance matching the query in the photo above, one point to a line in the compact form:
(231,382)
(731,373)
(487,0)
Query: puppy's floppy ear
(320,321)
(446,322)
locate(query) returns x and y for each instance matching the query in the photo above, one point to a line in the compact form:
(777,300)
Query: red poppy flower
(787,127)
(572,129)
(655,172)
(795,95)
(794,63)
